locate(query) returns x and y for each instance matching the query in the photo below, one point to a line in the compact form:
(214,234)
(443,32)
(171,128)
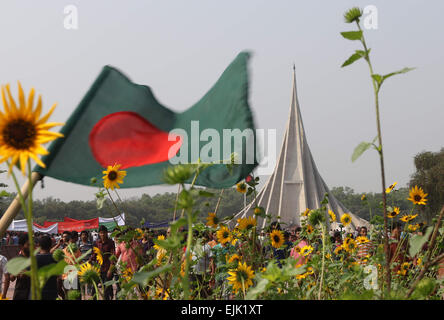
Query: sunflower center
(112,175)
(241,275)
(19,134)
(225,235)
(417,198)
(276,239)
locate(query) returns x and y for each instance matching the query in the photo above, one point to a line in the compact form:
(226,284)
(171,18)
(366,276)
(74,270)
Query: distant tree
(430,176)
(373,203)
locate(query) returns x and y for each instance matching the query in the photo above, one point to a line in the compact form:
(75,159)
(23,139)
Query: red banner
(72,224)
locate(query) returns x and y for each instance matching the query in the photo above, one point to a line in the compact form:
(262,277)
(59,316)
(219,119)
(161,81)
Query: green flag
(121,122)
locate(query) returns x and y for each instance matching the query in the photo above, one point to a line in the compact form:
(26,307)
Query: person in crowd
(295,252)
(71,252)
(22,289)
(107,249)
(365,249)
(204,268)
(85,245)
(44,258)
(3,271)
(397,248)
(63,241)
(128,254)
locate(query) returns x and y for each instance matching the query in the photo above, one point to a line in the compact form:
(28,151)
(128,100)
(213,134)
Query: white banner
(51,229)
(20,225)
(119,219)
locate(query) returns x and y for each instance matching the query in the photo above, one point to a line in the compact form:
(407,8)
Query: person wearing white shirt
(3,271)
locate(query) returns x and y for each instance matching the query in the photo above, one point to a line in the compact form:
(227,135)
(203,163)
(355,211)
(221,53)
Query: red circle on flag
(129,139)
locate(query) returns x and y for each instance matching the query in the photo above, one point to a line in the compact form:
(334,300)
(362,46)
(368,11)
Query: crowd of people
(209,254)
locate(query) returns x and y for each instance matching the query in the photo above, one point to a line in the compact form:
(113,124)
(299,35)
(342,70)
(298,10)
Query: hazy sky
(180,48)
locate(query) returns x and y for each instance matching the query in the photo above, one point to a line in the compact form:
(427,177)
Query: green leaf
(405,70)
(416,242)
(378,79)
(260,288)
(360,149)
(143,277)
(354,57)
(352,35)
(17,265)
(206,193)
(3,193)
(53,269)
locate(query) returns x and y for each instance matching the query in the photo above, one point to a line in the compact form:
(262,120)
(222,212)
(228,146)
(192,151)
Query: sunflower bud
(73,295)
(58,255)
(179,174)
(316,217)
(353,15)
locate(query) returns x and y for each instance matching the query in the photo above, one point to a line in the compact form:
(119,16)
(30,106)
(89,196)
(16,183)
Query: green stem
(117,209)
(381,158)
(35,287)
(28,217)
(323,262)
(186,284)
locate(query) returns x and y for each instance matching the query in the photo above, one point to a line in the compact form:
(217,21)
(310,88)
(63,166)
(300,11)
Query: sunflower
(277,238)
(306,250)
(234,258)
(161,237)
(89,273)
(346,219)
(404,268)
(350,245)
(417,195)
(99,256)
(393,213)
(22,130)
(241,277)
(389,189)
(212,220)
(113,176)
(309,229)
(258,210)
(305,213)
(347,239)
(241,187)
(419,262)
(305,274)
(332,215)
(139,233)
(158,294)
(353,15)
(413,227)
(160,255)
(339,250)
(408,217)
(246,223)
(363,197)
(223,235)
(362,240)
(127,274)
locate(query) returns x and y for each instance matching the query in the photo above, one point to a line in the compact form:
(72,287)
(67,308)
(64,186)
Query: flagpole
(15,206)
(218,201)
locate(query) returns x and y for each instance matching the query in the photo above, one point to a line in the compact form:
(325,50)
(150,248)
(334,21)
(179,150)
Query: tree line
(429,175)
